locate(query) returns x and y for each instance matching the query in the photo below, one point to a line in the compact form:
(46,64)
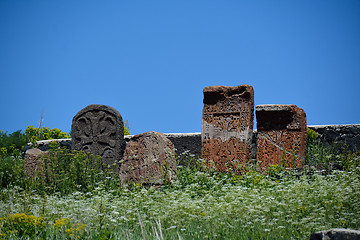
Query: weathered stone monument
(281,136)
(99,129)
(227,125)
(33,163)
(149,158)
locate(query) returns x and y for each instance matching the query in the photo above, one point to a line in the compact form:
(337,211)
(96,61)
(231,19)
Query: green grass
(265,209)
(201,204)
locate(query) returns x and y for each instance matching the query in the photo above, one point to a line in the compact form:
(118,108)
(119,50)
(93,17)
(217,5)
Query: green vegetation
(77,198)
(65,171)
(126,128)
(330,157)
(13,144)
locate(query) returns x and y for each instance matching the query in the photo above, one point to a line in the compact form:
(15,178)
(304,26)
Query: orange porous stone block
(227,125)
(149,158)
(281,137)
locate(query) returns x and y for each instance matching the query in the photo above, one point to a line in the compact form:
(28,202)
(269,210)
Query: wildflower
(61,222)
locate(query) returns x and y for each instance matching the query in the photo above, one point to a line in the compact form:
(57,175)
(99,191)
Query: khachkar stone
(149,158)
(227,125)
(99,129)
(281,136)
(34,162)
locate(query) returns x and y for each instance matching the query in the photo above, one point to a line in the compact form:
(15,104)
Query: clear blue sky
(150,60)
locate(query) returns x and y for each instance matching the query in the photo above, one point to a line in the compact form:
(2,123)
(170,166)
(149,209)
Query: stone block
(149,158)
(227,124)
(99,129)
(336,234)
(281,136)
(33,162)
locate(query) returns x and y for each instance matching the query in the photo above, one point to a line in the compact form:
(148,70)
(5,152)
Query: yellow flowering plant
(72,231)
(21,225)
(44,133)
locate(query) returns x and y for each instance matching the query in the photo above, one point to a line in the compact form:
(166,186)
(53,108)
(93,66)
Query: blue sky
(150,60)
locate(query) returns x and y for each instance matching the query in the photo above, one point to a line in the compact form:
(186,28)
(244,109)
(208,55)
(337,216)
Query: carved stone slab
(33,162)
(99,129)
(281,137)
(149,158)
(227,125)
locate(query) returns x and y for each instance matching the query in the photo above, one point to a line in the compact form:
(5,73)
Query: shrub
(312,136)
(35,134)
(11,144)
(11,171)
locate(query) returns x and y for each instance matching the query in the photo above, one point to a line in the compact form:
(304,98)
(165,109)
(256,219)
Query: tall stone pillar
(99,129)
(227,125)
(281,137)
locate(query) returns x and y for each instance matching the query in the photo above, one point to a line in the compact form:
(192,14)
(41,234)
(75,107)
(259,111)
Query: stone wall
(191,142)
(339,134)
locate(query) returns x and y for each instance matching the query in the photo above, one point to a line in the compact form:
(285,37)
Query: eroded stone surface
(149,158)
(99,129)
(227,125)
(336,234)
(34,162)
(281,136)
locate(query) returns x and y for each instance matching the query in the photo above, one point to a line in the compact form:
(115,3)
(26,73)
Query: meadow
(201,204)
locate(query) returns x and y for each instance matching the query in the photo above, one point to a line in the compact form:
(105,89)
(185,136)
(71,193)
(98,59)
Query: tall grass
(252,208)
(86,201)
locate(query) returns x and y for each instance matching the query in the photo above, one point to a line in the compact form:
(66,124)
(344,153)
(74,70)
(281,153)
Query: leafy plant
(312,136)
(12,171)
(34,134)
(11,144)
(126,128)
(275,171)
(21,225)
(330,157)
(68,229)
(126,131)
(65,171)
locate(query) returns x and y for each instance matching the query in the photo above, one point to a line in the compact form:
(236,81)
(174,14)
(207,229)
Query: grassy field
(201,204)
